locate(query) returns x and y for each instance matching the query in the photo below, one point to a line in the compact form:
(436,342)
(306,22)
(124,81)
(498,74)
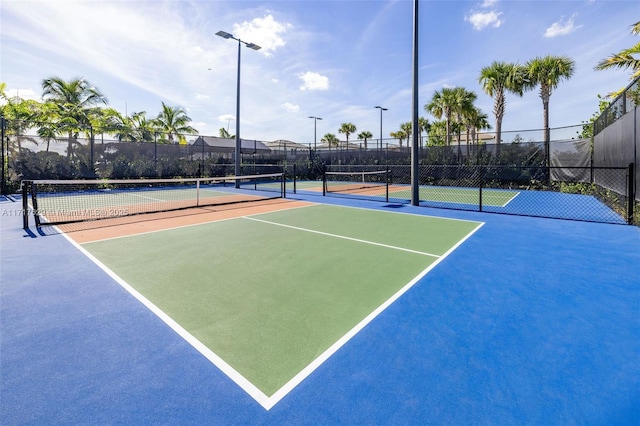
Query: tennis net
(64,201)
(361,183)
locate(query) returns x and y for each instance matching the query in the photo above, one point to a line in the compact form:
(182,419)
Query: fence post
(480,189)
(3,183)
(631,196)
(91,152)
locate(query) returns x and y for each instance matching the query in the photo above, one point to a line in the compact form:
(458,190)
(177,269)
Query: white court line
(149,198)
(342,237)
(267,402)
(234,375)
(305,372)
(511,199)
(189,225)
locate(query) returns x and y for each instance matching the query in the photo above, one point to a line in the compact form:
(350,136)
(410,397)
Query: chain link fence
(572,166)
(517,190)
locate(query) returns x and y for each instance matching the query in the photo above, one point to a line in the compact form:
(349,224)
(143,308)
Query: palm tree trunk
(498,134)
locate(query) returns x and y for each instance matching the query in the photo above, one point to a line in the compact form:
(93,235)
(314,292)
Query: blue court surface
(529,321)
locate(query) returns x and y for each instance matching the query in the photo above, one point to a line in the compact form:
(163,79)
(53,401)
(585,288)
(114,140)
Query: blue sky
(331,59)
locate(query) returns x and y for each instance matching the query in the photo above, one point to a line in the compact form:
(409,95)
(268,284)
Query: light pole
(238,143)
(315,121)
(381,109)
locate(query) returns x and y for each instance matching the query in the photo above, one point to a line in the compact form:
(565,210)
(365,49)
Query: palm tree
(20,115)
(174,121)
(347,129)
(75,101)
(626,58)
(400,135)
(365,135)
(406,129)
(463,105)
(423,126)
(441,105)
(224,133)
(46,119)
(330,139)
(475,120)
(117,125)
(143,129)
(496,79)
(437,133)
(548,72)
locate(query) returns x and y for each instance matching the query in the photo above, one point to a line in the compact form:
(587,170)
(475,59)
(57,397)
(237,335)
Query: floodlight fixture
(381,109)
(224,34)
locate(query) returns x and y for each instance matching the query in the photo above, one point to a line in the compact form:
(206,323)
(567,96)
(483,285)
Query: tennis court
(400,193)
(378,186)
(316,309)
(268,323)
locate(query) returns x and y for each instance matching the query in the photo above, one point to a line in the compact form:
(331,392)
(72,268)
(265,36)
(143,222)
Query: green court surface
(490,197)
(269,295)
(443,194)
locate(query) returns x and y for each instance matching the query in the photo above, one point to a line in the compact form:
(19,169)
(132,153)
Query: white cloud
(314,81)
(561,28)
(481,20)
(22,94)
(201,96)
(264,32)
(290,107)
(225,118)
(488,3)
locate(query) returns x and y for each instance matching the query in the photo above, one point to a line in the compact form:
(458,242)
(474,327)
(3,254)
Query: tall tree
(463,106)
(76,101)
(347,129)
(441,106)
(406,129)
(400,135)
(174,121)
(474,120)
(224,133)
(117,124)
(330,139)
(143,128)
(365,135)
(626,58)
(423,127)
(20,115)
(548,72)
(496,79)
(437,133)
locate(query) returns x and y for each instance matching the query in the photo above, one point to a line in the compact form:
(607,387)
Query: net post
(198,193)
(388,181)
(25,204)
(283,181)
(631,196)
(34,203)
(324,180)
(294,179)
